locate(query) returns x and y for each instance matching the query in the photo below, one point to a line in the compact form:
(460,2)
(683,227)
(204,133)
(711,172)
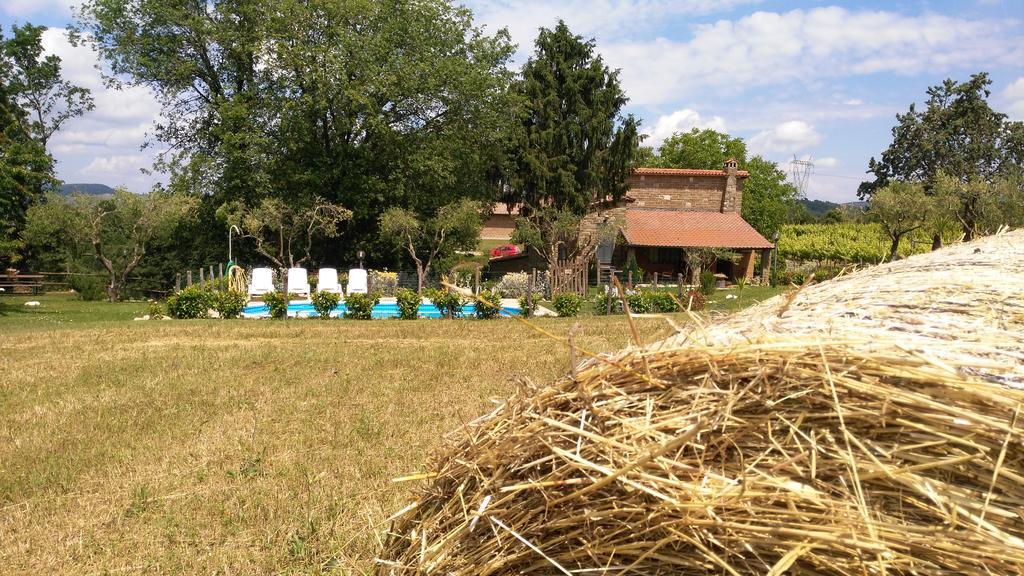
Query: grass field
(236,447)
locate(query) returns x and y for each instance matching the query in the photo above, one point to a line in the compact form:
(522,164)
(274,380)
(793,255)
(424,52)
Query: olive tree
(284,232)
(116,231)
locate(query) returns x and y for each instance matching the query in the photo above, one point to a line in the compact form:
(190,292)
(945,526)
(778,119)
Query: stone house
(668,211)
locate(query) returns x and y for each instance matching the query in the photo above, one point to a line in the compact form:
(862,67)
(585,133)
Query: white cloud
(1013,97)
(787,138)
(768,48)
(104,143)
(115,165)
(680,121)
(827,162)
(21,8)
(853,102)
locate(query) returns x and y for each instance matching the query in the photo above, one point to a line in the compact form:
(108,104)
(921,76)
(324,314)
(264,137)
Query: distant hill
(819,208)
(90,189)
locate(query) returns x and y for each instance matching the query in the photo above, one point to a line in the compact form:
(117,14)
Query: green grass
(241,447)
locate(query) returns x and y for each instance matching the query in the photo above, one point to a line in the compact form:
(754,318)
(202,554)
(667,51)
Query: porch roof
(689,229)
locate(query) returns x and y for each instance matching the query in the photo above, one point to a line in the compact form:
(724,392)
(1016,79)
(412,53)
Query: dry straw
(866,425)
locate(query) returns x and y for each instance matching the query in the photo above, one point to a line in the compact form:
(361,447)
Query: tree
(367,105)
(117,231)
(574,148)
(704,149)
(957,134)
(901,208)
(456,226)
(983,207)
(34,102)
(284,233)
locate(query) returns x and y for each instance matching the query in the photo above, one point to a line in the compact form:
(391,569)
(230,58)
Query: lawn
(241,447)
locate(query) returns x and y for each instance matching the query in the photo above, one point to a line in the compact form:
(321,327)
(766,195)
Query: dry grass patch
(238,447)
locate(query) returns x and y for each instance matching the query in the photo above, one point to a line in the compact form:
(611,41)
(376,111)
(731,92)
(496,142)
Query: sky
(811,80)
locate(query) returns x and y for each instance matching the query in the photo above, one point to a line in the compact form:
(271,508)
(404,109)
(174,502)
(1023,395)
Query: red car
(504,250)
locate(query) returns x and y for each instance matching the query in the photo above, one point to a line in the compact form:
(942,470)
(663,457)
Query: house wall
(695,193)
(498,227)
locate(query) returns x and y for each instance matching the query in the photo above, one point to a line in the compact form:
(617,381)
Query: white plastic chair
(298,283)
(357,281)
(262,281)
(327,281)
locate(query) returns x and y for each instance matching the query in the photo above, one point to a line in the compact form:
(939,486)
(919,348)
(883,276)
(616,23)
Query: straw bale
(866,425)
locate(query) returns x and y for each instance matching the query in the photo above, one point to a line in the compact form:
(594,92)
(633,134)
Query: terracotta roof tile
(684,229)
(685,172)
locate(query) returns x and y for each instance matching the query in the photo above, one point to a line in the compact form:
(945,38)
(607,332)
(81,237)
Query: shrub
(694,299)
(638,303)
(408,303)
(192,302)
(360,306)
(276,303)
(707,283)
(88,288)
(489,305)
(383,283)
(155,311)
(568,305)
(662,302)
(229,303)
(527,305)
(448,302)
(601,303)
(324,303)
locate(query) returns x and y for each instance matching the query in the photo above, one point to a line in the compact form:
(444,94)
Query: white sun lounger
(357,281)
(298,283)
(262,281)
(327,281)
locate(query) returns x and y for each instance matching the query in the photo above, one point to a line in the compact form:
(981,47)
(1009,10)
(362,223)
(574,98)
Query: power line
(800,172)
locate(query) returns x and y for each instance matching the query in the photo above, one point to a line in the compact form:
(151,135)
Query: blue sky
(813,79)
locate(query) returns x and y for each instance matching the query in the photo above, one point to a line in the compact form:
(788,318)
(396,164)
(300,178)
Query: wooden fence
(570,277)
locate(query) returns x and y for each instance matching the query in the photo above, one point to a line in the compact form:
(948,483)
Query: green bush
(567,305)
(155,310)
(489,305)
(662,302)
(707,283)
(88,288)
(448,302)
(192,302)
(324,303)
(638,303)
(527,305)
(408,303)
(276,303)
(601,303)
(360,306)
(229,303)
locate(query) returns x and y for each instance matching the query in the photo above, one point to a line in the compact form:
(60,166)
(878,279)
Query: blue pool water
(304,309)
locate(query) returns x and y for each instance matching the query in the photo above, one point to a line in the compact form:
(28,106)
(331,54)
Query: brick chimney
(729,197)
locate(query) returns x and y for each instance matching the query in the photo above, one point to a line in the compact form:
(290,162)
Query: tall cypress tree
(575,147)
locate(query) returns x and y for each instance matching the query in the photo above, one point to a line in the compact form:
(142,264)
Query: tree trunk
(113,289)
(895,248)
(420,278)
(936,241)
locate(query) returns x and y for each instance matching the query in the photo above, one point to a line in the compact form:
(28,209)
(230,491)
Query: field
(238,447)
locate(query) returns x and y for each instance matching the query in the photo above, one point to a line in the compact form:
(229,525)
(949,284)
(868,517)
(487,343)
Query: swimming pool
(381,310)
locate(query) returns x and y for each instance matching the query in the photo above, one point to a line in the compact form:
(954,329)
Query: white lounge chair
(357,283)
(327,281)
(298,283)
(262,281)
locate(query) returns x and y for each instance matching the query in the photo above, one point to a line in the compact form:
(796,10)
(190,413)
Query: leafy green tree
(957,134)
(456,226)
(901,208)
(705,149)
(117,230)
(284,233)
(367,105)
(982,206)
(575,148)
(35,101)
